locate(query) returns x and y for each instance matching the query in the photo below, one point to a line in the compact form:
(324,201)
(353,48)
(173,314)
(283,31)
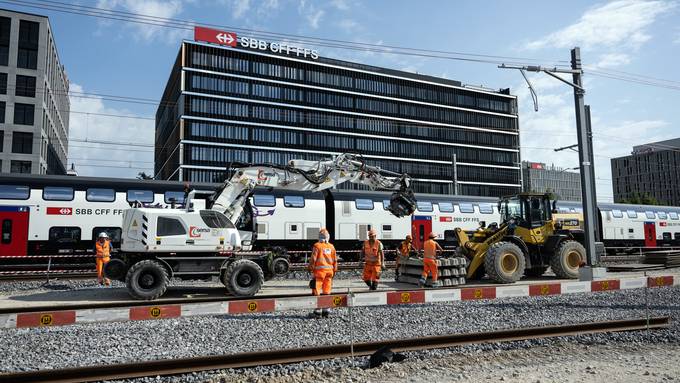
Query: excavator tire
(567,259)
(147,280)
(243,278)
(536,271)
(504,262)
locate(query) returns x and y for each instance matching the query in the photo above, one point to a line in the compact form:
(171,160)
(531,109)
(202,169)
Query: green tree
(637,198)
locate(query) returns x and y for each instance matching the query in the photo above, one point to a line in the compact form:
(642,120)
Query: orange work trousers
(101,261)
(371,272)
(430,267)
(324,281)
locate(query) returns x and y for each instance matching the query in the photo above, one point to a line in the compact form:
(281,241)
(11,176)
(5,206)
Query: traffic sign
(215,36)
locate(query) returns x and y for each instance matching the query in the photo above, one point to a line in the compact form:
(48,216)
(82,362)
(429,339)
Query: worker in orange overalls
(103,248)
(323,265)
(373,260)
(430,251)
(404,250)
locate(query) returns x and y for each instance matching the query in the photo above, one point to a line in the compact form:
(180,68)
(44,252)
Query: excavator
(202,240)
(527,241)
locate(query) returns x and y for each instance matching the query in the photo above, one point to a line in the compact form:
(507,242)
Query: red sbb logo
(59,211)
(663,223)
(445,219)
(196,232)
(215,36)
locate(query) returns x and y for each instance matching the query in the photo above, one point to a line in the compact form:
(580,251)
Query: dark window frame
(161,233)
(45,196)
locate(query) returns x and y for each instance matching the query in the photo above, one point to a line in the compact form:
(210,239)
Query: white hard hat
(103,235)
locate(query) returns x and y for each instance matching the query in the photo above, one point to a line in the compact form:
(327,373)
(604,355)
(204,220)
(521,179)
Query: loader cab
(526,210)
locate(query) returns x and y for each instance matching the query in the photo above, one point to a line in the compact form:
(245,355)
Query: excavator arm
(300,175)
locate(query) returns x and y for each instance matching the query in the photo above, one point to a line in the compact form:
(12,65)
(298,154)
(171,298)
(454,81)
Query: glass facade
(223,105)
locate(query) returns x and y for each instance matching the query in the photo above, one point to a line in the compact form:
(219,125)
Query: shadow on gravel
(115,294)
(589,306)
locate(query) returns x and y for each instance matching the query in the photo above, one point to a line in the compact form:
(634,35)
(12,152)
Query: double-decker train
(63,214)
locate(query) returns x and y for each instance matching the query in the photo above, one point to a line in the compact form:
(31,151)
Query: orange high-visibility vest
(371,252)
(430,249)
(405,248)
(103,251)
(323,257)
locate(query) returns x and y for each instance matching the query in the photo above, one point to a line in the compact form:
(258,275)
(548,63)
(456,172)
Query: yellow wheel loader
(527,242)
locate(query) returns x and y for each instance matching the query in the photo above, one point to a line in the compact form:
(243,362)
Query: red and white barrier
(363,299)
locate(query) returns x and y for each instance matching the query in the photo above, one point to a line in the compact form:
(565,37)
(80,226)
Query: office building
(651,170)
(34,104)
(269,102)
(565,184)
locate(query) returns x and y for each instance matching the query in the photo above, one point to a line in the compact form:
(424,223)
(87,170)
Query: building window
(27,56)
(5,27)
(2,112)
(22,142)
(20,167)
(3,83)
(23,114)
(2,141)
(25,86)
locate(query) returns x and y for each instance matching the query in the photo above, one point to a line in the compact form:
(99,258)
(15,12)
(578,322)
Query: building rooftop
(672,144)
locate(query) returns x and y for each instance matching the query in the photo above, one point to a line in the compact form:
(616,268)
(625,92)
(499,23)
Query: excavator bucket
(402,203)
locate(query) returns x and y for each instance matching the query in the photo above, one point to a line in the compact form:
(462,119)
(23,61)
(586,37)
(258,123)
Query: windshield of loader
(511,207)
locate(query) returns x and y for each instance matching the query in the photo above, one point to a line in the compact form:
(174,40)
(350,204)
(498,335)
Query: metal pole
(587,187)
(589,132)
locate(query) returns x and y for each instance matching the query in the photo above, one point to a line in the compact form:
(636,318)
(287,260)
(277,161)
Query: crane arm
(300,175)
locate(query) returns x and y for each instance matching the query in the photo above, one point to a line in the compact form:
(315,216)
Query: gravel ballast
(80,345)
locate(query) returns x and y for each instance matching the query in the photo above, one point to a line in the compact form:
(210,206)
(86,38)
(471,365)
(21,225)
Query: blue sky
(127,59)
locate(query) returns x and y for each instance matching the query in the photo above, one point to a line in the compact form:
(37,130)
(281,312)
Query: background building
(34,104)
(652,170)
(565,184)
(225,104)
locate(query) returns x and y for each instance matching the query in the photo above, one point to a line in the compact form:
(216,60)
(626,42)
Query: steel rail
(284,356)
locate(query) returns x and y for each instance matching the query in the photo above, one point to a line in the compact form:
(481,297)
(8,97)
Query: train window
(363,204)
(145,196)
(64,234)
(58,193)
(386,227)
(673,215)
(6,231)
(265,200)
(425,206)
(631,213)
(100,195)
(677,236)
(215,219)
(662,215)
(617,213)
(445,207)
(112,232)
(486,208)
(386,204)
(650,215)
(174,196)
(293,201)
(666,236)
(466,208)
(14,192)
(169,226)
(631,230)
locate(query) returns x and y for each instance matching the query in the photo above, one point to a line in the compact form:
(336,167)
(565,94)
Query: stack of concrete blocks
(452,271)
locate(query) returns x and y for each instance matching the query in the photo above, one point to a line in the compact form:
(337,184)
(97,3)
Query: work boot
(374,285)
(368,283)
(325,312)
(421,282)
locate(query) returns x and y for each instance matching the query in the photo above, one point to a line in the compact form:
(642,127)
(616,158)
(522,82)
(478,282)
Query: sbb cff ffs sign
(214,36)
(230,39)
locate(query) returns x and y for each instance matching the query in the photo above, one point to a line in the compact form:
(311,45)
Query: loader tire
(147,280)
(504,262)
(567,259)
(243,278)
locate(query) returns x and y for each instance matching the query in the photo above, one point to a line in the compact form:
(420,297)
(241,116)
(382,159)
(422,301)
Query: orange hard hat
(432,235)
(372,232)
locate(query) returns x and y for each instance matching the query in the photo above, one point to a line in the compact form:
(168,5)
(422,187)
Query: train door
(650,234)
(13,230)
(421,226)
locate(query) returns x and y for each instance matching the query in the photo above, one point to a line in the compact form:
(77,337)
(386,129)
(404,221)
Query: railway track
(285,356)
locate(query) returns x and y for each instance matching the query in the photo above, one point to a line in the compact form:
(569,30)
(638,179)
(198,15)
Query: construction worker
(374,258)
(430,250)
(323,265)
(103,250)
(404,250)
